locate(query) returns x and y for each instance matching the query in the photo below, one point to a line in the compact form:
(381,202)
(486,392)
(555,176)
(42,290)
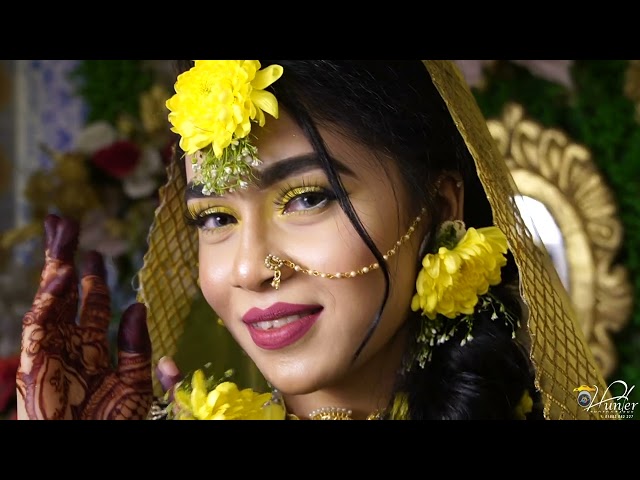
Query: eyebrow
(277,172)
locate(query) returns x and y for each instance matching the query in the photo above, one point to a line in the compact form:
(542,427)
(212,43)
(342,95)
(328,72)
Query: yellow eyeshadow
(199,210)
(294,192)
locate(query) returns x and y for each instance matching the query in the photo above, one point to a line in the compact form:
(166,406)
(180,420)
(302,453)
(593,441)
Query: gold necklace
(325,413)
(336,413)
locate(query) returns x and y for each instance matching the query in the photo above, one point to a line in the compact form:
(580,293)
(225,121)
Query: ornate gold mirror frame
(550,168)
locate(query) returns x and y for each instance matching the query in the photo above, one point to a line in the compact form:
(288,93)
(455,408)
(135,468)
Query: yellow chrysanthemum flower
(452,279)
(216,101)
(224,402)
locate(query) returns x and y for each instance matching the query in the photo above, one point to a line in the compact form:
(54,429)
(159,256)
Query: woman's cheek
(212,277)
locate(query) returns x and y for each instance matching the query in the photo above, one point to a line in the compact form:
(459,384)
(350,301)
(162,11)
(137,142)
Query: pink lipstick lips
(281,324)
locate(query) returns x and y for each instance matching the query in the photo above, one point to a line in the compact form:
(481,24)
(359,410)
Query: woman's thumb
(168,373)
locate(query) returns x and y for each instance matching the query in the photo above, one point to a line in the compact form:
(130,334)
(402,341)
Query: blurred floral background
(96,145)
(90,139)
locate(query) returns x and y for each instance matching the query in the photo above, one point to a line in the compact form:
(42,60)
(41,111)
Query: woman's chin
(300,383)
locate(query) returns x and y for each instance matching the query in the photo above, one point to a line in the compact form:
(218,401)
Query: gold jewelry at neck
(324,413)
(275,263)
(337,413)
(331,413)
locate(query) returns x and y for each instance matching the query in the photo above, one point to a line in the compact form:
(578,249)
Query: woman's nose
(250,272)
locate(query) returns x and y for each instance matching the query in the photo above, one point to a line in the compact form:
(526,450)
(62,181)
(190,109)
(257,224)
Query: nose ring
(274,263)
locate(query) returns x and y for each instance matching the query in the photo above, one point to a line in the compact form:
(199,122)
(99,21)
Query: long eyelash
(193,222)
(282,199)
(195,219)
(284,190)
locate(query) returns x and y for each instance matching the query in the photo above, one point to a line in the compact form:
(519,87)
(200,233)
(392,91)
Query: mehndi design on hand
(65,370)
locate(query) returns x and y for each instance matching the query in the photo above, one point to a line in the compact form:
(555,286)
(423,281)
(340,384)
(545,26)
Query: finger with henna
(54,302)
(134,349)
(61,235)
(58,275)
(57,293)
(61,241)
(95,310)
(133,336)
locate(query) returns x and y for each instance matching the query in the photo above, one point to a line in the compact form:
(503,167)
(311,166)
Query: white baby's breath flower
(144,179)
(95,136)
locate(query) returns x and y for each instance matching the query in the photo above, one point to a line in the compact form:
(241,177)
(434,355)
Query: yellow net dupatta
(560,354)
(168,279)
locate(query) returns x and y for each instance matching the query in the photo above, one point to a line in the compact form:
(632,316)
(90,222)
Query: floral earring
(455,283)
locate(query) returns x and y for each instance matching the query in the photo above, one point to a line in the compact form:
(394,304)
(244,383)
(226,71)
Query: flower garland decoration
(454,284)
(207,398)
(215,103)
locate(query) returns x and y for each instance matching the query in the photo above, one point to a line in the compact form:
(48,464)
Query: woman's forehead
(278,139)
(283,138)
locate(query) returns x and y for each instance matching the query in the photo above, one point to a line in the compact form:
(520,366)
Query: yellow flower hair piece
(454,283)
(204,398)
(214,106)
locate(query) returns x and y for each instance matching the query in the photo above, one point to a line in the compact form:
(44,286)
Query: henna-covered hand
(65,370)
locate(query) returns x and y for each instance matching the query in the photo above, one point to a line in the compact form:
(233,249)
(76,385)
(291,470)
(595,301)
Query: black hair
(393,107)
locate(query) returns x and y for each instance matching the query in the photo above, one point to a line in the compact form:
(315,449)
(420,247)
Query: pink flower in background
(557,71)
(473,71)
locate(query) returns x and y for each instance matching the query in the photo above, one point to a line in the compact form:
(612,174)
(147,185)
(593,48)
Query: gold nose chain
(275,263)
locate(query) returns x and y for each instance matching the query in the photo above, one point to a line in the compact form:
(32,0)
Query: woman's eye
(210,218)
(306,201)
(216,220)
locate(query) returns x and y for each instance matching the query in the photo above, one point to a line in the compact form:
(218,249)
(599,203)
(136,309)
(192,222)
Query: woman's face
(303,336)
